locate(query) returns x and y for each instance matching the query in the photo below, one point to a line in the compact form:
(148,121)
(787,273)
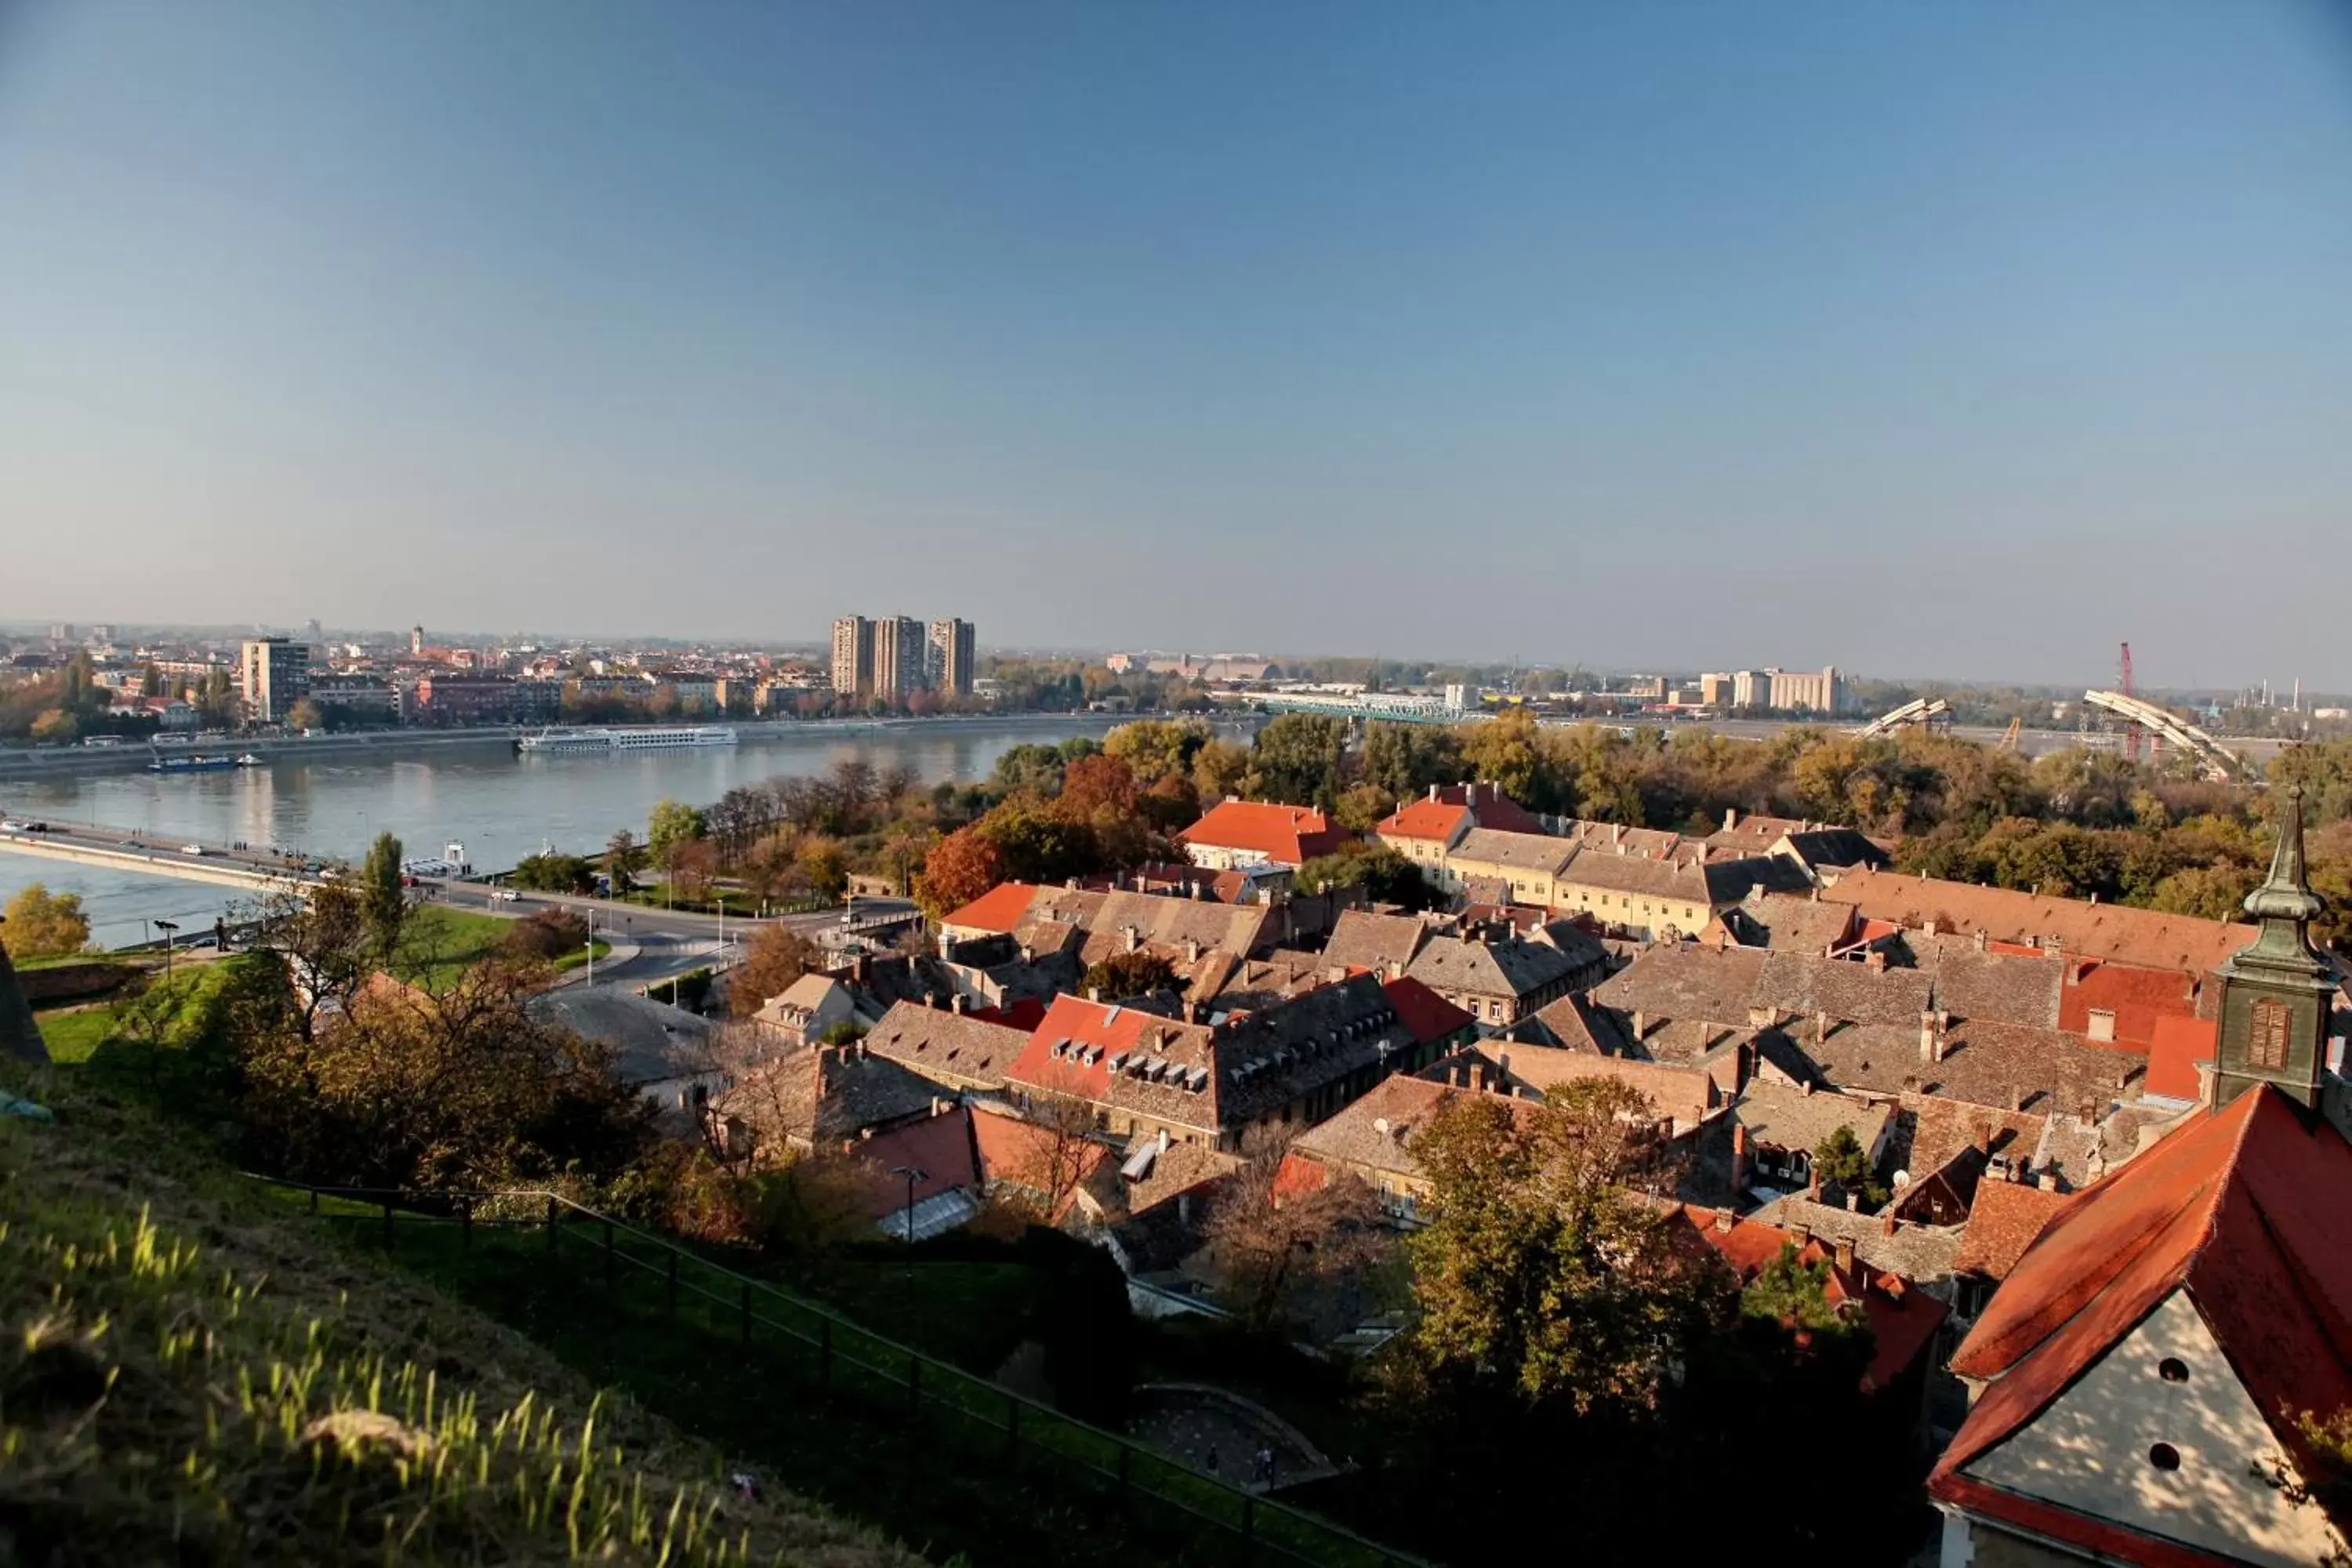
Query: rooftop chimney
(1802,1235)
(1845,1256)
(1874,961)
(1742,1158)
(960,1003)
(1931,1038)
(1983,941)
(1730,818)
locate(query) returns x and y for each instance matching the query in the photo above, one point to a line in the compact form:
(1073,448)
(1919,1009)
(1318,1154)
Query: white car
(12,827)
(194,850)
(507,896)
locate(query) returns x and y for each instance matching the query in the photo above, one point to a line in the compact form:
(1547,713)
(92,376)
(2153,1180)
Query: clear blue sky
(1930,339)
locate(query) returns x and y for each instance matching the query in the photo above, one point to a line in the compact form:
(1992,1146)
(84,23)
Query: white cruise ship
(630,739)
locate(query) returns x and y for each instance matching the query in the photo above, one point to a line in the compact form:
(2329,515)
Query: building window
(2172,1369)
(2266,1042)
(2102,1023)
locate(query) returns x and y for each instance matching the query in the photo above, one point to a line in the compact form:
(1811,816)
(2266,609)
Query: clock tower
(2276,994)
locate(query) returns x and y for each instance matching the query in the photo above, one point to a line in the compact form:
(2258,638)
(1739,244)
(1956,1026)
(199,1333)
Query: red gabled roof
(1292,834)
(1433,819)
(1001,908)
(940,1147)
(2250,1209)
(1429,1015)
(2138,996)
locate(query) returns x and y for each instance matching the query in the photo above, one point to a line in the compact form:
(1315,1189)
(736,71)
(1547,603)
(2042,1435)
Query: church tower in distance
(2276,993)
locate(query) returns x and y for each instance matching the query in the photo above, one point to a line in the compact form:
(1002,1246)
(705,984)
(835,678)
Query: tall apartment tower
(276,675)
(853,655)
(900,657)
(951,658)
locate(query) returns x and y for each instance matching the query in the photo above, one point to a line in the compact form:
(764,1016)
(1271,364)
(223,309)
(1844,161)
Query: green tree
(1841,1161)
(1157,747)
(551,873)
(382,899)
(1220,768)
(42,924)
(671,823)
(1790,1291)
(825,866)
(625,860)
(1122,975)
(1536,1275)
(1297,758)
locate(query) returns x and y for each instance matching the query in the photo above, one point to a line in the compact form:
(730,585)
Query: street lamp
(913,1174)
(167,928)
(722,919)
(592,947)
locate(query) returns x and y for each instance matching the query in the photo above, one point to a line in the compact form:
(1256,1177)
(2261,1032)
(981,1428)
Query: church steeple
(2277,992)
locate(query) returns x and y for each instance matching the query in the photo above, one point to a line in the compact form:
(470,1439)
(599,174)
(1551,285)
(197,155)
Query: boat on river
(629,738)
(190,764)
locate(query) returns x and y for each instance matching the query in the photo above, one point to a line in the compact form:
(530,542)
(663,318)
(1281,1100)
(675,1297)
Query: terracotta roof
(1903,1317)
(1435,820)
(1424,1012)
(1022,1153)
(2140,998)
(2003,1220)
(2084,930)
(940,1146)
(1682,1095)
(1355,1136)
(1363,939)
(1931,1130)
(1753,834)
(1291,833)
(2172,1056)
(1001,908)
(2249,1208)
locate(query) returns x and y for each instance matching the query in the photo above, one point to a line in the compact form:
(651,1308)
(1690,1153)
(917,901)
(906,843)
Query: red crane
(2131,732)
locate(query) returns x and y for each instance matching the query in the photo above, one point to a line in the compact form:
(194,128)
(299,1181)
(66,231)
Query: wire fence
(635,1269)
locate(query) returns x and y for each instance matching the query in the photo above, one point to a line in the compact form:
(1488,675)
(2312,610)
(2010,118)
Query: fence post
(608,1255)
(825,1352)
(465,1223)
(673,1281)
(1249,1525)
(314,1200)
(387,1225)
(1125,1455)
(1011,1427)
(743,1309)
(550,1222)
(914,1386)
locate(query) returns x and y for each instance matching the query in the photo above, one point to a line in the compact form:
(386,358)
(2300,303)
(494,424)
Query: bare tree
(1057,1143)
(1317,1260)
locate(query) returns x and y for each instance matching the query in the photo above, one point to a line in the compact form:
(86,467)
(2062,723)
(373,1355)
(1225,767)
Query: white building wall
(2089,1451)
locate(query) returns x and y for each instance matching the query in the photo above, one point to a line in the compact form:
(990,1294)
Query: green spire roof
(2286,895)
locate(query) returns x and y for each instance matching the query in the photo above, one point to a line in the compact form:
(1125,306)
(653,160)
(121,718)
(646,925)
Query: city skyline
(1961,339)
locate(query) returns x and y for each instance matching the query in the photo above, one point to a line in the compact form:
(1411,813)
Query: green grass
(75,1035)
(440,944)
(188,1375)
(574,960)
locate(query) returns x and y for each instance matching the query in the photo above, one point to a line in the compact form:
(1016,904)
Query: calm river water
(500,806)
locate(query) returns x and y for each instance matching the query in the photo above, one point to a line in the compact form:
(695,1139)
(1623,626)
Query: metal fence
(841,1356)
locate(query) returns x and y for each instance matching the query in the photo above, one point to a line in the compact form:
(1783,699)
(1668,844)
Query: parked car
(194,850)
(507,896)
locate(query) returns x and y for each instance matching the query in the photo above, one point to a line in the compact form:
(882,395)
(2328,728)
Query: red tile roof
(2144,937)
(1023,1153)
(2004,1219)
(2249,1208)
(1429,1015)
(2138,995)
(1903,1317)
(1433,819)
(1002,909)
(940,1146)
(1291,833)
(2180,1045)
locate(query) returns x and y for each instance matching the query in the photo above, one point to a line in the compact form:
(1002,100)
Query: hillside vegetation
(185,1377)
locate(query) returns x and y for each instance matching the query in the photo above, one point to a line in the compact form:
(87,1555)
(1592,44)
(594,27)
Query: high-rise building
(900,654)
(951,658)
(853,655)
(276,675)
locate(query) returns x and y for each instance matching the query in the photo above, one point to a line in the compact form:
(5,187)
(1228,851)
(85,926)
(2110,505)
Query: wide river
(500,806)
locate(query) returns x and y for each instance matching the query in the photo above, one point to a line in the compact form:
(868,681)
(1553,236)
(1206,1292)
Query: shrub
(546,936)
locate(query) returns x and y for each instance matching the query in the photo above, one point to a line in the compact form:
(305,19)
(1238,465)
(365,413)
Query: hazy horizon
(1974,337)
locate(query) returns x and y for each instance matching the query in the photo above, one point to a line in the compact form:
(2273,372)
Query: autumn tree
(671,823)
(774,957)
(42,924)
(824,866)
(1220,768)
(959,868)
(1157,747)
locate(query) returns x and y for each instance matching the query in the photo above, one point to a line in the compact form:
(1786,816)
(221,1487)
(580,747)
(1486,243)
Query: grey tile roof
(1805,984)
(650,1041)
(1791,1119)
(1515,969)
(1364,940)
(1522,851)
(945,1045)
(1685,981)
(1924,1253)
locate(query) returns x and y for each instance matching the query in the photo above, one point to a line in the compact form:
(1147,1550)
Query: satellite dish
(1901,1179)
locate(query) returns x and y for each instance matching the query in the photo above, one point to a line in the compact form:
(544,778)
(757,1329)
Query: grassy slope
(184,1376)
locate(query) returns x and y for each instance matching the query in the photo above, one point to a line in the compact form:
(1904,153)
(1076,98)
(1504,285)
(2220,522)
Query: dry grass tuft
(186,1378)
